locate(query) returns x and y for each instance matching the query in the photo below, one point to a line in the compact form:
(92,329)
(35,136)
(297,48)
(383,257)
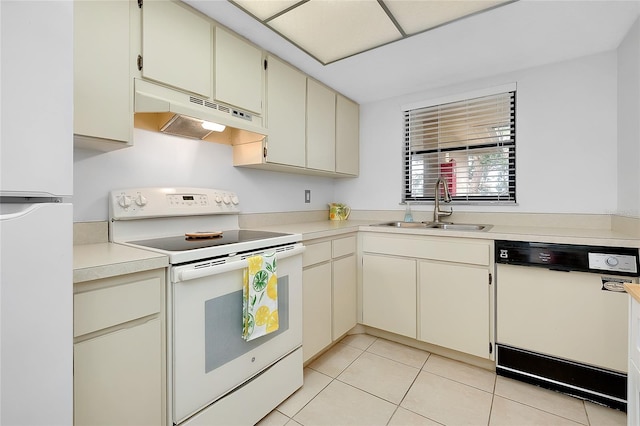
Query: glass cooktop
(183,243)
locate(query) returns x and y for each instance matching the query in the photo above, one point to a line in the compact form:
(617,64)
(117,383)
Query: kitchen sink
(433,225)
(420,225)
(458,226)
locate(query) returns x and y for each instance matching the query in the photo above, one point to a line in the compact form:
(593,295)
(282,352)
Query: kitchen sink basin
(433,225)
(420,225)
(458,226)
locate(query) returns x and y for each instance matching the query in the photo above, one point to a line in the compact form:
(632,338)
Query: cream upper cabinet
(321,127)
(102,115)
(177,47)
(238,72)
(285,116)
(347,136)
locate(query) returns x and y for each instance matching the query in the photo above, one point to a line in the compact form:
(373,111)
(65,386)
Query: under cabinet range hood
(166,110)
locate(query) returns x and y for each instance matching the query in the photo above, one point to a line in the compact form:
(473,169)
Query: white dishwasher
(562,317)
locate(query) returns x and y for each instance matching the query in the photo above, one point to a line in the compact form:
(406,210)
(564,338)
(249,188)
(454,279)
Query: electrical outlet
(307,196)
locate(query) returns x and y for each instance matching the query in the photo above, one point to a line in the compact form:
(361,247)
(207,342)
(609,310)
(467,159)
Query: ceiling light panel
(331,30)
(265,9)
(418,16)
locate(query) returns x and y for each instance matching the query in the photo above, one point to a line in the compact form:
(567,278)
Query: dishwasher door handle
(192,274)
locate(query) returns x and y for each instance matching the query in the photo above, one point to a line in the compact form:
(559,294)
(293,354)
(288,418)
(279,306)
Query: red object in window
(448,171)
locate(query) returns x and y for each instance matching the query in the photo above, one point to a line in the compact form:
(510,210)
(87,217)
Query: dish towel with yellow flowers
(260,297)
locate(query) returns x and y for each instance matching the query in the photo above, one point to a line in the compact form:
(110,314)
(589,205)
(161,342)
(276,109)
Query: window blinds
(471,143)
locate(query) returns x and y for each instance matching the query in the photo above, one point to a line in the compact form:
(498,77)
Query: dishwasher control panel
(569,257)
(613,262)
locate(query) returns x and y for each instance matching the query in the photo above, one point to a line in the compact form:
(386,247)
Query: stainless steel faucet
(437,213)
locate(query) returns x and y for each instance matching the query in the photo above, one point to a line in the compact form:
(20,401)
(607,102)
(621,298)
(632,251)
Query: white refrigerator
(36,217)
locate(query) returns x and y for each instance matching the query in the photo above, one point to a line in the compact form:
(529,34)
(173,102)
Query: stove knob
(124,201)
(141,200)
(235,200)
(218,199)
(611,261)
(226,199)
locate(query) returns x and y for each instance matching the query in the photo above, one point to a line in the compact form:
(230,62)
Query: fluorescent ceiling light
(332,30)
(214,127)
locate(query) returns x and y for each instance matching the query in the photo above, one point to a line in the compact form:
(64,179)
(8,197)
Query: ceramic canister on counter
(338,211)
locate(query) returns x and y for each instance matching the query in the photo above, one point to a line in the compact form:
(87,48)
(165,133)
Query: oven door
(210,358)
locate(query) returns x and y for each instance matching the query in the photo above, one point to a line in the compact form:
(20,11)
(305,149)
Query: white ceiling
(515,36)
(331,30)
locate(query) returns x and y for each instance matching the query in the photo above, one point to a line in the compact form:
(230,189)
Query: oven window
(223,326)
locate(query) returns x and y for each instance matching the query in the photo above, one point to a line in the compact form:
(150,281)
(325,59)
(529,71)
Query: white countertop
(328,228)
(104,260)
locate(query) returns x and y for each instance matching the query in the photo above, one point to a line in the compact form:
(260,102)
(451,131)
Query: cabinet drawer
(344,246)
(316,253)
(98,309)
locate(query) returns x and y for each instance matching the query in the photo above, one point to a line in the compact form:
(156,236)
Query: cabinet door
(454,307)
(316,309)
(238,72)
(286,105)
(118,377)
(633,394)
(177,47)
(102,63)
(344,295)
(321,127)
(389,294)
(347,136)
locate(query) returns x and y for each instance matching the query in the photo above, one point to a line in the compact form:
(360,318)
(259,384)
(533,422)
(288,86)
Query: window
(471,143)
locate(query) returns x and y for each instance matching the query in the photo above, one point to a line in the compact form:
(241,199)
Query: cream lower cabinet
(433,289)
(344,286)
(454,306)
(119,350)
(316,309)
(633,378)
(329,292)
(389,294)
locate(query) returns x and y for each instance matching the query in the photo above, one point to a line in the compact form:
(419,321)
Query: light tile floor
(365,380)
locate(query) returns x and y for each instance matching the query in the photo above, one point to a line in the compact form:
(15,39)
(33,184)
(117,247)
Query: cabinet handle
(192,274)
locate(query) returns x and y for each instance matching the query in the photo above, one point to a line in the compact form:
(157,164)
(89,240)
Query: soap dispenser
(408,217)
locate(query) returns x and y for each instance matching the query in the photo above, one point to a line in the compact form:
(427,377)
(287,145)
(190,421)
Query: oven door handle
(192,274)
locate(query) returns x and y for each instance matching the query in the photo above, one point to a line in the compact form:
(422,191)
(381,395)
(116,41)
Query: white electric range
(212,370)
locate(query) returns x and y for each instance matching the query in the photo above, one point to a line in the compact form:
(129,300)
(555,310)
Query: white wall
(157,159)
(629,123)
(566,140)
(567,159)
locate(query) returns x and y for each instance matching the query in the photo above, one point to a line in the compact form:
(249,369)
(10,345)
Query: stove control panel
(139,203)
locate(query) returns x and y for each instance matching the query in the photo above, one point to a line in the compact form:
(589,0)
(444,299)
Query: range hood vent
(181,125)
(188,111)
